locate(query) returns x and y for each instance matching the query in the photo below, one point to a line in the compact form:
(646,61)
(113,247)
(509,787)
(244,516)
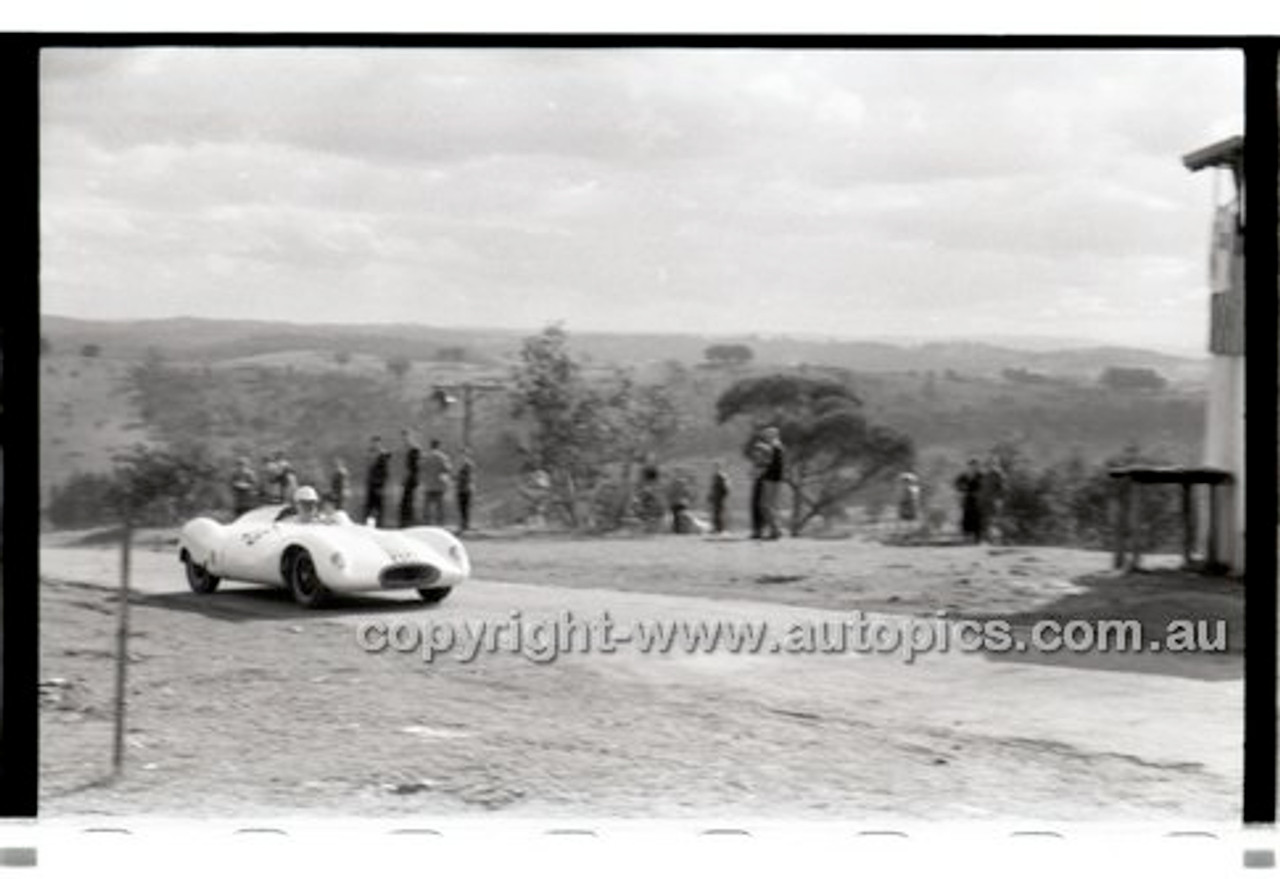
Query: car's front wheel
(198,577)
(305,582)
(435,595)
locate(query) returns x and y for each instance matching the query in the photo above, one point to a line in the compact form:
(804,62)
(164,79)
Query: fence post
(122,651)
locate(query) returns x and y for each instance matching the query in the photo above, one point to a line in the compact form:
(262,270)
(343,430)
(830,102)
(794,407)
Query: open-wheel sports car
(314,558)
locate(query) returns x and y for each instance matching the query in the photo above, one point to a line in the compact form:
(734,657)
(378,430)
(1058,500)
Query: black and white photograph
(655,432)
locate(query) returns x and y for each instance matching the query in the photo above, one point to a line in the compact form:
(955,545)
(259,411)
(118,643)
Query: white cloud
(855,191)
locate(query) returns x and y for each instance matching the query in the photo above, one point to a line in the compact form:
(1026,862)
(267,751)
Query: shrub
(83,501)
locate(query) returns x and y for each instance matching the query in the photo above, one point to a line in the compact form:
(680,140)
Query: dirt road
(242,704)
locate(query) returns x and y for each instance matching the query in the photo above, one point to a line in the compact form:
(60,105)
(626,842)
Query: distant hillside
(212,341)
(245,388)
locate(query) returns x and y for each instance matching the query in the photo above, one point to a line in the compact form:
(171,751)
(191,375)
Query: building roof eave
(1228,152)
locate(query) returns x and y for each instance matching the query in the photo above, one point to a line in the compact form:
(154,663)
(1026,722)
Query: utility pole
(445,396)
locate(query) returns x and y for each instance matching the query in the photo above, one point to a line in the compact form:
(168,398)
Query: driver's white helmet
(306,495)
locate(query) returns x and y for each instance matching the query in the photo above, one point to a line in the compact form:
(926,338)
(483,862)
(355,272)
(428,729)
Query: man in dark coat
(464,482)
(376,481)
(412,459)
(759,462)
(771,484)
(969,486)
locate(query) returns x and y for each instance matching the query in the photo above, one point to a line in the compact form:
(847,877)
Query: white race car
(269,545)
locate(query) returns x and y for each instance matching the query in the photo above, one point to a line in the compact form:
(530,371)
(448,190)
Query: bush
(83,501)
(1071,503)
(157,487)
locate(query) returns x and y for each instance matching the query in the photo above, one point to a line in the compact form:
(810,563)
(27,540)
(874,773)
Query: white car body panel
(348,557)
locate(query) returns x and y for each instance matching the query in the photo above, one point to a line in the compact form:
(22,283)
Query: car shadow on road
(1211,607)
(250,604)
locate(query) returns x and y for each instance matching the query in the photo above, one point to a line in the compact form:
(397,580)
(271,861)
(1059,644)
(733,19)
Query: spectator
(288,482)
(464,486)
(537,491)
(771,483)
(435,471)
(759,461)
(717,495)
(678,498)
(412,460)
(376,481)
(305,505)
(969,486)
(244,488)
(992,499)
(908,499)
(271,473)
(648,496)
(339,486)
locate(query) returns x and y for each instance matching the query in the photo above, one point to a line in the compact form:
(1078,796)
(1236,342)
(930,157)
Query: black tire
(304,581)
(435,595)
(199,578)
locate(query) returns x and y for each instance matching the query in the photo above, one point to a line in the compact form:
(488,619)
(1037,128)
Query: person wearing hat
(306,505)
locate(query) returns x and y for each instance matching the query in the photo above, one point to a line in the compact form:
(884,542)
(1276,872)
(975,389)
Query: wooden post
(1188,525)
(1121,521)
(1211,553)
(1132,494)
(122,652)
(466,415)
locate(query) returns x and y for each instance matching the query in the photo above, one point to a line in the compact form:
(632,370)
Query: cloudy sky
(843,193)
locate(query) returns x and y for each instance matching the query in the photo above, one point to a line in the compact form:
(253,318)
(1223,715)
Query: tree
(638,419)
(1132,378)
(90,350)
(833,451)
(1020,376)
(453,354)
(565,416)
(1032,510)
(342,357)
(159,486)
(728,355)
(399,366)
(577,429)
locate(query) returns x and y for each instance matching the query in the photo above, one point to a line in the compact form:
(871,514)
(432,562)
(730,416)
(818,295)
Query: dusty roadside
(243,704)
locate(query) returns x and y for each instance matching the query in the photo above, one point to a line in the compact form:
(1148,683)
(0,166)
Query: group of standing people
(768,461)
(431,470)
(276,485)
(981,492)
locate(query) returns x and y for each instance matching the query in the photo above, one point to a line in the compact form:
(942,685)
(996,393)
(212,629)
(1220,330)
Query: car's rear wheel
(198,577)
(435,595)
(305,582)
